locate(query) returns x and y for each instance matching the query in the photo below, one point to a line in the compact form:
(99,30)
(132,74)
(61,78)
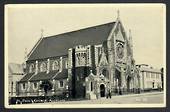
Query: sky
(24,24)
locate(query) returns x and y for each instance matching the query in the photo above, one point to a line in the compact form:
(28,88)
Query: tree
(46,86)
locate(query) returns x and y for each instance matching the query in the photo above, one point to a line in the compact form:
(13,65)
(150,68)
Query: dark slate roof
(58,45)
(26,77)
(62,75)
(44,76)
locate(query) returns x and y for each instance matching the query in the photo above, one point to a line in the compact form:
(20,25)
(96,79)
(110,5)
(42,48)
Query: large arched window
(81,59)
(31,68)
(55,65)
(43,67)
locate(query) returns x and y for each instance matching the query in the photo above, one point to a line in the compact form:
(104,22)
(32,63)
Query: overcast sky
(145,21)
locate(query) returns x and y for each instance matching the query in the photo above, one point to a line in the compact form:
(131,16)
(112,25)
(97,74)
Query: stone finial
(25,54)
(42,33)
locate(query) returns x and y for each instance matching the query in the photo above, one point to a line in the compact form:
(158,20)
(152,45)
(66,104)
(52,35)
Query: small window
(91,86)
(35,85)
(152,75)
(143,73)
(55,65)
(23,86)
(61,84)
(157,75)
(43,67)
(31,68)
(147,75)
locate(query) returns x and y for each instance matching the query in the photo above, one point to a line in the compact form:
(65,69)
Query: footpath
(141,94)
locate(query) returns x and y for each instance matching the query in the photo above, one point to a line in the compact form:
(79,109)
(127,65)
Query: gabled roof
(14,68)
(45,76)
(149,69)
(62,75)
(58,45)
(26,77)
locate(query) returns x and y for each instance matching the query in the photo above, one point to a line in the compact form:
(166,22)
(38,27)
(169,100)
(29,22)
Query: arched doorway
(102,90)
(118,78)
(129,84)
(118,82)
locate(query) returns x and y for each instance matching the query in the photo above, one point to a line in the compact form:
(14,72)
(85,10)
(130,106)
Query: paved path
(144,98)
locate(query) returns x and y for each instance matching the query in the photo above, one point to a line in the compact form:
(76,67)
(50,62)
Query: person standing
(108,95)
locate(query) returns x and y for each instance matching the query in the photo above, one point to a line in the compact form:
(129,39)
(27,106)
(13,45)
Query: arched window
(61,84)
(12,85)
(105,73)
(35,86)
(84,54)
(91,86)
(43,67)
(55,65)
(23,86)
(31,68)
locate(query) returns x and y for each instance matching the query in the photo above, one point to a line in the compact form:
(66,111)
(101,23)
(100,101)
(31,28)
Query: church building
(87,62)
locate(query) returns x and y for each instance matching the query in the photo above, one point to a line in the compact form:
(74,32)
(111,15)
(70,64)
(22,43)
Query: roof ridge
(58,45)
(85,28)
